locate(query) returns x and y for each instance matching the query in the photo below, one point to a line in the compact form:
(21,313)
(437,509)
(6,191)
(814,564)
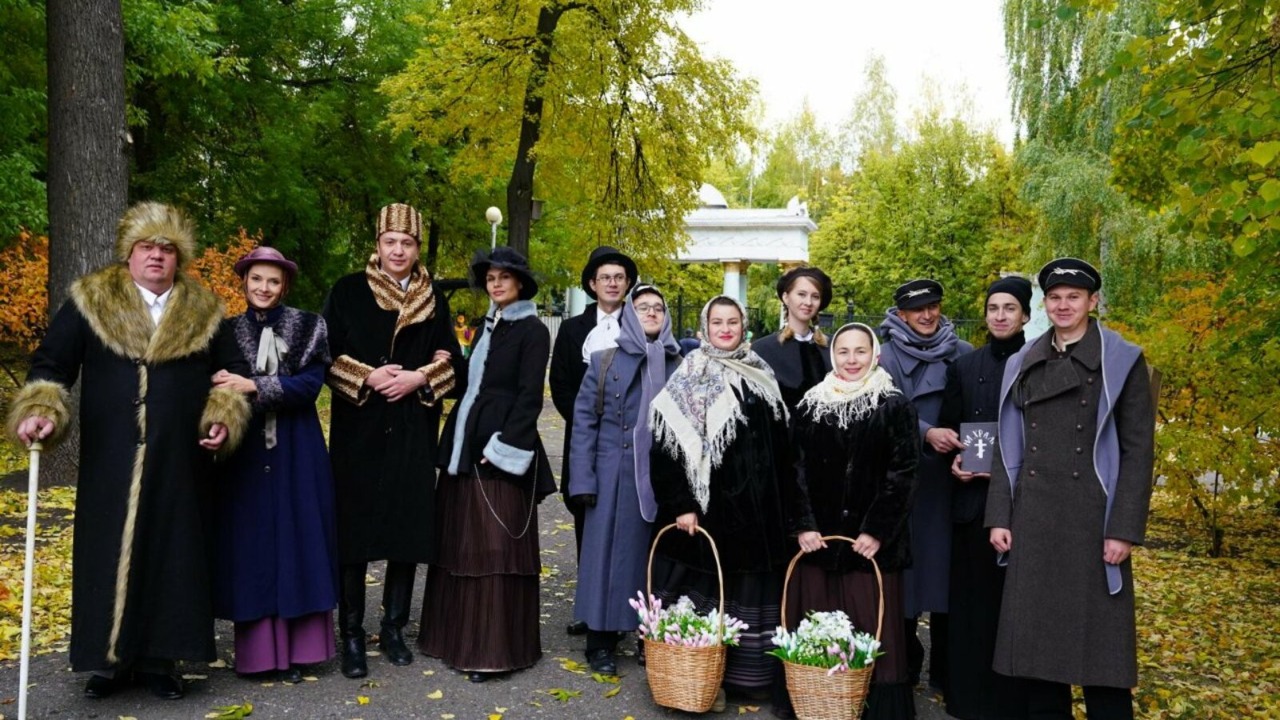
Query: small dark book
(979,440)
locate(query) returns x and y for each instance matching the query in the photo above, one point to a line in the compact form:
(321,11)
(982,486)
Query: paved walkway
(425,689)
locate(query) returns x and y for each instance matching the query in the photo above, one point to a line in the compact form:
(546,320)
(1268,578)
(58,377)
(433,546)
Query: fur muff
(44,398)
(110,302)
(158,223)
(230,408)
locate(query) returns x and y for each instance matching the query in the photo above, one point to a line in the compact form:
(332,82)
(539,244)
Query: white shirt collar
(155,303)
(404,284)
(807,337)
(601,314)
(152,299)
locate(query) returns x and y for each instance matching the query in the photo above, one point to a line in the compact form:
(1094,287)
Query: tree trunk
(88,168)
(520,187)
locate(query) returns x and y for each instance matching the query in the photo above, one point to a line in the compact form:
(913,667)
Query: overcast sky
(818,49)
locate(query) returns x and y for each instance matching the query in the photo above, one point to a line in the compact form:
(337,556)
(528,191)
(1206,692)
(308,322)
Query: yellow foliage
(216,269)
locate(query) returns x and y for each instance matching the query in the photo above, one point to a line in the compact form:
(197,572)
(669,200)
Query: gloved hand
(584,501)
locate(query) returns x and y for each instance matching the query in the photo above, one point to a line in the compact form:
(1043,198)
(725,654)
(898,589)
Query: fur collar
(414,305)
(109,300)
(518,310)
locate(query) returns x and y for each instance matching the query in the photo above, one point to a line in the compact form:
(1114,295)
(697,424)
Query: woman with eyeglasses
(609,477)
(480,606)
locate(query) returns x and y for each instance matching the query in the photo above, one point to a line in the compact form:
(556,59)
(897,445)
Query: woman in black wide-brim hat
(275,546)
(481,605)
(798,352)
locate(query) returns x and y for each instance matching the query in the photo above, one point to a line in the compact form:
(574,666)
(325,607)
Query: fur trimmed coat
(383,453)
(501,407)
(276,549)
(141,577)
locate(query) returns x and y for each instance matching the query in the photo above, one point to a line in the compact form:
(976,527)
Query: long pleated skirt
(813,588)
(752,597)
(480,608)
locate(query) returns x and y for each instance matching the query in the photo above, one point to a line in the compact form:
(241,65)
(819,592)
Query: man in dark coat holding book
(1069,495)
(395,357)
(607,278)
(970,405)
(142,337)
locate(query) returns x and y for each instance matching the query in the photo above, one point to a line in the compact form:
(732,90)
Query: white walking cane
(33,476)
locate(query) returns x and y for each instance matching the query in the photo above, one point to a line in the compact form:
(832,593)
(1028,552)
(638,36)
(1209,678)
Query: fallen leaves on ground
(572,666)
(51,579)
(231,712)
(1207,646)
(562,694)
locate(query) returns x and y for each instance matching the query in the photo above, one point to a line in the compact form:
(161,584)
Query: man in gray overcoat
(919,343)
(1068,500)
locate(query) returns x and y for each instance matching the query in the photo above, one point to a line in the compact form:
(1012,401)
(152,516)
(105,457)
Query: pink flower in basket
(682,625)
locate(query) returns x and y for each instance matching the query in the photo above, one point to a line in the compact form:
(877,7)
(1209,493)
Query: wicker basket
(816,695)
(684,678)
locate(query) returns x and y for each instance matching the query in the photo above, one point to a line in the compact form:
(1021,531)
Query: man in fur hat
(142,334)
(395,357)
(607,278)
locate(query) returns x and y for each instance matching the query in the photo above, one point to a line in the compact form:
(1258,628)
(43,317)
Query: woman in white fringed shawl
(857,445)
(720,458)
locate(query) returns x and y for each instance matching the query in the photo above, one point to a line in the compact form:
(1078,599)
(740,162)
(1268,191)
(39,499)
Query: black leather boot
(396,597)
(351,620)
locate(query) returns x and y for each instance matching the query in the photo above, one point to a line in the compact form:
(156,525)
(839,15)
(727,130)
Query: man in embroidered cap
(919,343)
(395,357)
(143,335)
(1068,500)
(607,278)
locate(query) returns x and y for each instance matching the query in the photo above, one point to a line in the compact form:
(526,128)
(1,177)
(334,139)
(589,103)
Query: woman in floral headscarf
(855,434)
(719,458)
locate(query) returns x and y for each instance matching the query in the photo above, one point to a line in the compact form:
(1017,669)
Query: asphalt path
(559,686)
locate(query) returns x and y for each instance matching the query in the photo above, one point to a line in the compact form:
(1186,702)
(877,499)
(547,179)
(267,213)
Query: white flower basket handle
(786,583)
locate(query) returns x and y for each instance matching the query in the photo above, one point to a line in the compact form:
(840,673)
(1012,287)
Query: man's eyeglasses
(611,279)
(655,308)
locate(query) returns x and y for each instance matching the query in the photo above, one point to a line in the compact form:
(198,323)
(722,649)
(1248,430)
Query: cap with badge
(1070,271)
(917,293)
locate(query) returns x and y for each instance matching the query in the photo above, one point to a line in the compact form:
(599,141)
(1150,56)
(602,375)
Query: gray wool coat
(929,577)
(1060,620)
(615,541)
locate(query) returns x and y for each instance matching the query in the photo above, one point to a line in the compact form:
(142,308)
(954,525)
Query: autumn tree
(609,107)
(1216,347)
(872,124)
(941,205)
(1203,136)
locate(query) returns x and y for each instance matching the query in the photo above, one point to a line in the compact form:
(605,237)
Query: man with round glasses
(607,278)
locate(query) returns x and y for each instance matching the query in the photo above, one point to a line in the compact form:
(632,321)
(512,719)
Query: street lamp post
(494,216)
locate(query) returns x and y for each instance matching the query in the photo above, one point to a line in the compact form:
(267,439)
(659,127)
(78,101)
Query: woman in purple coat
(609,461)
(275,572)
